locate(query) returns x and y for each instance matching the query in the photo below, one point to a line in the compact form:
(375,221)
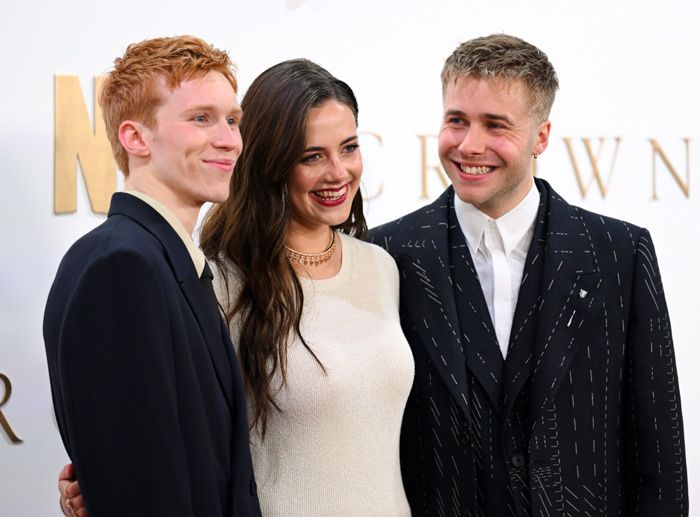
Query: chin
(217,197)
(465,194)
(332,221)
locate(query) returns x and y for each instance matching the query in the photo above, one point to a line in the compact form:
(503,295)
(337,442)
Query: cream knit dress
(333,450)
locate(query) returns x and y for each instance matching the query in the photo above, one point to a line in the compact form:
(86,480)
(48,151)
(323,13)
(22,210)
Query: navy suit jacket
(147,390)
(583,417)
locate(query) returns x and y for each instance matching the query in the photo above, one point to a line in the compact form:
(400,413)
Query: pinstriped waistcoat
(499,462)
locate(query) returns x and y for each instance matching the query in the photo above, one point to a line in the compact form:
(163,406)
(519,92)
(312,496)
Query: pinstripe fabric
(583,417)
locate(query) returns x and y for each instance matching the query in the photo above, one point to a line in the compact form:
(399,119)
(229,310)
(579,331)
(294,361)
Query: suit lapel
(209,320)
(481,350)
(441,293)
(519,360)
(186,275)
(427,296)
(570,295)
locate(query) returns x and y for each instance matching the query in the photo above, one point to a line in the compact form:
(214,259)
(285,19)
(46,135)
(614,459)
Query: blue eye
(232,121)
(311,158)
(351,148)
(200,118)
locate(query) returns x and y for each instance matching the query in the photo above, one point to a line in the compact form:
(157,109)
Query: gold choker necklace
(312,259)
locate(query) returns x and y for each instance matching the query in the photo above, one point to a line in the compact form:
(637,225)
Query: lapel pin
(582,293)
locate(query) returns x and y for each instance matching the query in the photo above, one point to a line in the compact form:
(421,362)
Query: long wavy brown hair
(249,230)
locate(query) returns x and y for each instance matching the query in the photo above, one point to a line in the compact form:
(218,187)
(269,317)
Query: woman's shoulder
(227,282)
(368,254)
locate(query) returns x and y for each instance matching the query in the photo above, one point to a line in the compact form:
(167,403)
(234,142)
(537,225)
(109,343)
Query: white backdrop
(627,69)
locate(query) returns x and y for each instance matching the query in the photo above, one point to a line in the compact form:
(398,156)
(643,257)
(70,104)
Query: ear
(541,137)
(134,138)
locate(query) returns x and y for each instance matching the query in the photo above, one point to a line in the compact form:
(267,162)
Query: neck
(314,241)
(495,212)
(308,240)
(187,214)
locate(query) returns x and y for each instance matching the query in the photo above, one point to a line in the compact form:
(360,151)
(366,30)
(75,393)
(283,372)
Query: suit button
(253,488)
(518,460)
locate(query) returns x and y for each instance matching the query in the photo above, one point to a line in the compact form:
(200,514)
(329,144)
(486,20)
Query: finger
(62,505)
(72,490)
(65,477)
(77,504)
(66,507)
(81,513)
(67,472)
(62,488)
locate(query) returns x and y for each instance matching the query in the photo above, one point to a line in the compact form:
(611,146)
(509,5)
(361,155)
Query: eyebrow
(210,107)
(495,116)
(487,116)
(318,148)
(454,112)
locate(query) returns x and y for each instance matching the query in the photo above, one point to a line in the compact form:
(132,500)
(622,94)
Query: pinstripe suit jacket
(583,417)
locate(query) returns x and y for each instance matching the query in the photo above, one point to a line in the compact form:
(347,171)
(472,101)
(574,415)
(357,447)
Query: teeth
(475,170)
(331,195)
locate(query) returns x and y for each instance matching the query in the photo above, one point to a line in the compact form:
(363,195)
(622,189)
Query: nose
(336,170)
(227,137)
(473,141)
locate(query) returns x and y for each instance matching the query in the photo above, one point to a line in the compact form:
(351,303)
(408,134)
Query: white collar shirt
(499,249)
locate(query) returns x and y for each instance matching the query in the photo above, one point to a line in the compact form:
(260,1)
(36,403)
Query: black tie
(206,280)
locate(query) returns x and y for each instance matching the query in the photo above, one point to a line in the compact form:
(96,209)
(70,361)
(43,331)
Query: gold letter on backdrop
(424,167)
(593,158)
(3,421)
(75,139)
(656,149)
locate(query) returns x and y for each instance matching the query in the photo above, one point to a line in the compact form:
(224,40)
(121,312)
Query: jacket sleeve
(655,466)
(118,385)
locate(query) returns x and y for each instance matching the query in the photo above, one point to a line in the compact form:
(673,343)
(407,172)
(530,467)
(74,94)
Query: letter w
(594,160)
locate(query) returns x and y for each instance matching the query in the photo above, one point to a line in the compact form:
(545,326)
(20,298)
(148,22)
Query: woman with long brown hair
(313,310)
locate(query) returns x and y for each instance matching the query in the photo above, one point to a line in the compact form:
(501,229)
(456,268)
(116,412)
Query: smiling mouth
(330,197)
(223,164)
(475,171)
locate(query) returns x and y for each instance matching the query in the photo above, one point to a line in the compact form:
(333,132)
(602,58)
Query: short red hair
(132,90)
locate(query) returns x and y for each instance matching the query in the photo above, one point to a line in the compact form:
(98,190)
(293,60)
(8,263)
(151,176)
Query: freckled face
(326,179)
(196,141)
(486,142)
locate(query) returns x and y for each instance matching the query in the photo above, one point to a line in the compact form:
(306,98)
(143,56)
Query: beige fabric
(198,258)
(334,448)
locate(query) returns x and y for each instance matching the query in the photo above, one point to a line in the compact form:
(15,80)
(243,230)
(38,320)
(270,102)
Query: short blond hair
(132,90)
(505,57)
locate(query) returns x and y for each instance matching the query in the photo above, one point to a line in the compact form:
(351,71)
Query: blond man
(545,377)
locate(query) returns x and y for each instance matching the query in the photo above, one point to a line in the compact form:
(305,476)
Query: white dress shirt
(499,249)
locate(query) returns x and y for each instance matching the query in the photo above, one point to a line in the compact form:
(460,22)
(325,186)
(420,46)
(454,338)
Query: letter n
(76,140)
(658,151)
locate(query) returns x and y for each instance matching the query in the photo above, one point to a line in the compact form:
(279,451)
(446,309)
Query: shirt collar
(513,225)
(472,221)
(517,223)
(195,253)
